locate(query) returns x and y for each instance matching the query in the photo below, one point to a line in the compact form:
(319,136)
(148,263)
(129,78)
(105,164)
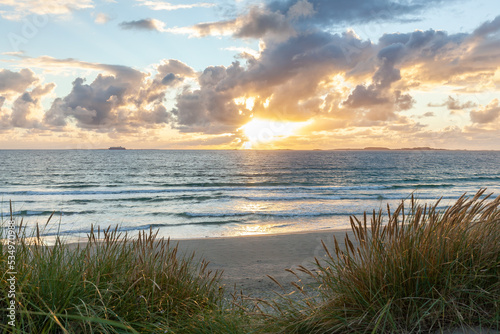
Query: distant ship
(117,148)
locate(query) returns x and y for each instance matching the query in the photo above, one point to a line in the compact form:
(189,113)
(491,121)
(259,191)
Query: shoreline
(326,230)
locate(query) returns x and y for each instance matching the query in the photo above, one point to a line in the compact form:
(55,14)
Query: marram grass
(418,270)
(111,284)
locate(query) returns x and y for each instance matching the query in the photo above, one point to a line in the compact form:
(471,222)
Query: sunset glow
(211,75)
(260,131)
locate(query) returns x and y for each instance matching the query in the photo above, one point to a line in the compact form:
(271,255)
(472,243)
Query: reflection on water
(190,194)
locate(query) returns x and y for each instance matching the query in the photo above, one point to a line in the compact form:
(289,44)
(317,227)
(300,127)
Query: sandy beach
(247,260)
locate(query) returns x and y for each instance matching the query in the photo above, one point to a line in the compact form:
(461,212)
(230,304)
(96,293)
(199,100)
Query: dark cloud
(260,22)
(486,114)
(458,59)
(211,109)
(488,27)
(363,96)
(94,105)
(169,78)
(281,19)
(176,67)
(4,115)
(334,12)
(123,101)
(403,101)
(172,72)
(144,24)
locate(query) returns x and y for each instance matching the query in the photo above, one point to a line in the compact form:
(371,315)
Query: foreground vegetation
(419,271)
(413,270)
(112,285)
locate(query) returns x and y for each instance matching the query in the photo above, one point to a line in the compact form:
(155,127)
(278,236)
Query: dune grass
(112,284)
(413,270)
(417,271)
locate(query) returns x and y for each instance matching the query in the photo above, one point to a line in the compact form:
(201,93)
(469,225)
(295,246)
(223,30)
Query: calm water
(188,194)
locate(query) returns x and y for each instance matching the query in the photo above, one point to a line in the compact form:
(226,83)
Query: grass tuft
(111,284)
(415,270)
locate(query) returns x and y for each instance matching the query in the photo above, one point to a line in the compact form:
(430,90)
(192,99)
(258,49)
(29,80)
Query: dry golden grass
(417,270)
(111,284)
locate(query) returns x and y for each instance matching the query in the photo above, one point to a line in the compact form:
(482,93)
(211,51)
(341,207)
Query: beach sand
(247,260)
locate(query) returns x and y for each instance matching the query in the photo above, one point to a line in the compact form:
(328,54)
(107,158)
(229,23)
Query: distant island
(421,149)
(377,148)
(116,148)
(404,149)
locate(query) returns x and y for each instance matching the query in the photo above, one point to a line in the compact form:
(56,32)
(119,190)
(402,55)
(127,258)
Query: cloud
(162,5)
(102,18)
(26,109)
(210,109)
(50,63)
(258,22)
(439,58)
(121,100)
(172,68)
(488,27)
(355,83)
(285,18)
(285,82)
(334,12)
(16,82)
(403,101)
(486,114)
(13,53)
(26,105)
(17,9)
(454,104)
(291,78)
(363,96)
(300,9)
(243,51)
(144,24)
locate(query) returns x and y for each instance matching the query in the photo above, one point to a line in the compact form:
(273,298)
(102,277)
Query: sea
(186,194)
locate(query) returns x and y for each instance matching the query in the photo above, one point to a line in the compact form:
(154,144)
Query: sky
(271,74)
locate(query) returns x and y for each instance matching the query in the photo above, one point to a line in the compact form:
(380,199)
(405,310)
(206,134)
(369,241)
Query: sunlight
(263,131)
(248,103)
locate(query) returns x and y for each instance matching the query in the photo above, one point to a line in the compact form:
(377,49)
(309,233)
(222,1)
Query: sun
(259,131)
